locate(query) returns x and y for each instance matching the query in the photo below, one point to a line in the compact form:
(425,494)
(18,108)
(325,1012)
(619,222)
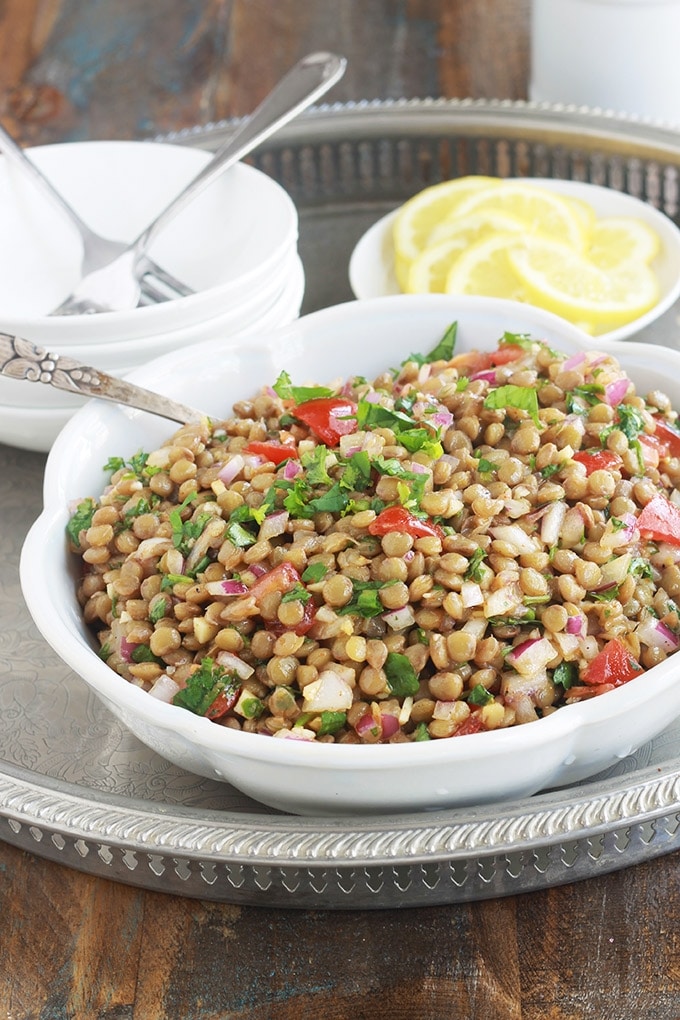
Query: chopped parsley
(442,352)
(284,389)
(81,520)
(365,599)
(479,695)
(204,686)
(402,678)
(523,397)
(331,722)
(314,572)
(565,674)
(474,571)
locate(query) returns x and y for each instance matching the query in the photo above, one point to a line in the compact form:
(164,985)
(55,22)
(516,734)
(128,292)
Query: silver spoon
(21,359)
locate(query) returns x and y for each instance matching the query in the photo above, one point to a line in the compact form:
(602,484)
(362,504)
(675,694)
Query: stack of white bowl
(235,245)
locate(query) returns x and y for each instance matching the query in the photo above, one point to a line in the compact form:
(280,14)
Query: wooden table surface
(76,946)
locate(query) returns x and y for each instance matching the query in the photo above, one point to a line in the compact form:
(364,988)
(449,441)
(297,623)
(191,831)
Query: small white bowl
(35,428)
(225,244)
(371,265)
(315,778)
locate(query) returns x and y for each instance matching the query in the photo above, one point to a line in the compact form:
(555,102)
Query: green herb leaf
(442,352)
(284,389)
(402,678)
(314,572)
(421,732)
(474,571)
(331,722)
(204,686)
(81,520)
(479,695)
(565,674)
(522,397)
(298,593)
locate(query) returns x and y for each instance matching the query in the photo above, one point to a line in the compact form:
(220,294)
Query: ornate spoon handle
(21,359)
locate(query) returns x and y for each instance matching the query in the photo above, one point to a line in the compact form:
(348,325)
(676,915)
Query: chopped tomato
(613,665)
(598,460)
(668,435)
(473,724)
(660,520)
(505,354)
(224,701)
(398,518)
(478,361)
(653,449)
(282,578)
(273,451)
(329,418)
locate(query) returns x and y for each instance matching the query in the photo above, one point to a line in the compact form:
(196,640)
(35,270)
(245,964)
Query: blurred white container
(618,55)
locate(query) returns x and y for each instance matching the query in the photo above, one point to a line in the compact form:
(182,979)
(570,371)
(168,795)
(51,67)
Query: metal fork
(116,286)
(98,251)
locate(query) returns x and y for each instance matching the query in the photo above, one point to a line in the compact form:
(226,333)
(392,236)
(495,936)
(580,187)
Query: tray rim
(552,819)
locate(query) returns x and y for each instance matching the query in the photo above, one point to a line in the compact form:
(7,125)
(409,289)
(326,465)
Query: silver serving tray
(77,788)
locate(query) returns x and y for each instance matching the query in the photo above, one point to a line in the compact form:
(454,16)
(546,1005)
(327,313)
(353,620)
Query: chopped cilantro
(142,653)
(640,567)
(523,397)
(365,599)
(479,695)
(443,350)
(421,732)
(402,678)
(284,389)
(549,470)
(474,571)
(204,686)
(81,520)
(239,536)
(331,722)
(314,464)
(314,572)
(298,593)
(565,674)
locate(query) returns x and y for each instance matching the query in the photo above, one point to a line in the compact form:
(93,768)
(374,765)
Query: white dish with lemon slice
(600,258)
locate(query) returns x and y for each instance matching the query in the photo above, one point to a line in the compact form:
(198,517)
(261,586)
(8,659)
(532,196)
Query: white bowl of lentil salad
(429,559)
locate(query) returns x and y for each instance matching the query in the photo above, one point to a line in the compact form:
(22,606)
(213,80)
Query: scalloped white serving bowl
(225,244)
(371,264)
(328,779)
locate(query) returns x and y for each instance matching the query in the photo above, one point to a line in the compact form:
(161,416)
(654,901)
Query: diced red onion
(274,525)
(227,587)
(231,469)
(230,661)
(655,634)
(330,693)
(372,397)
(614,392)
(551,523)
(442,419)
(164,689)
(488,375)
(532,656)
(419,469)
(297,733)
(400,619)
(514,535)
(258,569)
(126,649)
(576,624)
(613,572)
(471,594)
(367,724)
(574,361)
(291,469)
(390,725)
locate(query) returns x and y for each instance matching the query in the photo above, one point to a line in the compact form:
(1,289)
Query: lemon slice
(485,269)
(616,240)
(417,218)
(429,270)
(561,280)
(542,211)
